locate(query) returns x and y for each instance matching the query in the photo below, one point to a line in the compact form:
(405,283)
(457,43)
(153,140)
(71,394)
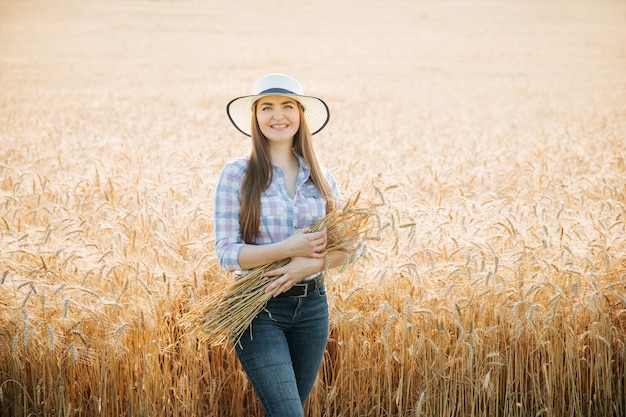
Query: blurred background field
(496,131)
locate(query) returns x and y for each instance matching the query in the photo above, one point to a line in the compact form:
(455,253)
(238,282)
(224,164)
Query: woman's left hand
(296,270)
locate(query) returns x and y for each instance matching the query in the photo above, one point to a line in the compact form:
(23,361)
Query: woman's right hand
(306,243)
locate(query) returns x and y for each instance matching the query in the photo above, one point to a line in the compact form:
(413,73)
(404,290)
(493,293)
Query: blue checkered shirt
(281,215)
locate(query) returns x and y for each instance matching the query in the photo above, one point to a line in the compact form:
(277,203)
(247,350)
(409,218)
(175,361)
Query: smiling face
(278,118)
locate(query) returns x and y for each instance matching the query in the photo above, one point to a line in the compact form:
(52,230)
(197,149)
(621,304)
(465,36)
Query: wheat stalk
(227,313)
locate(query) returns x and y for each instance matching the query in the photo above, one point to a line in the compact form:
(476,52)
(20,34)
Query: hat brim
(316,111)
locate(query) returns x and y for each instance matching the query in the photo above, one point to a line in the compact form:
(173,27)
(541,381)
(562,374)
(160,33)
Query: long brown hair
(259,175)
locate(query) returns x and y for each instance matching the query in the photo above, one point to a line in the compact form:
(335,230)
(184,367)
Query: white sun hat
(239,110)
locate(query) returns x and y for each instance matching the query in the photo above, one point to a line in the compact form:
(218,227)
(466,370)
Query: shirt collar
(304,172)
(304,165)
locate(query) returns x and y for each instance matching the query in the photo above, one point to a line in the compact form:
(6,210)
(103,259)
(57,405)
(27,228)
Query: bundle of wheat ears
(224,315)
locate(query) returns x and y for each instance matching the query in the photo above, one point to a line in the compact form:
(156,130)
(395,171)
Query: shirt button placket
(296,214)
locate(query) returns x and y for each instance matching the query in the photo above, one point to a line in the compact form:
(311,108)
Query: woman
(264,206)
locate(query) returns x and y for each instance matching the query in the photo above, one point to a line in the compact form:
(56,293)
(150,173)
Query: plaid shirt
(281,215)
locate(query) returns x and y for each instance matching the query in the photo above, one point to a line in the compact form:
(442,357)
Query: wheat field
(491,135)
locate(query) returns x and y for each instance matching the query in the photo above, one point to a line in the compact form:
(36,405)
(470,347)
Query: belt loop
(319,281)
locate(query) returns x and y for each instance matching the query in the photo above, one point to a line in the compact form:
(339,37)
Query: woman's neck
(283,158)
(289,165)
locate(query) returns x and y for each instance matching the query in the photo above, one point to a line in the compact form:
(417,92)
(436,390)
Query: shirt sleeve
(227,203)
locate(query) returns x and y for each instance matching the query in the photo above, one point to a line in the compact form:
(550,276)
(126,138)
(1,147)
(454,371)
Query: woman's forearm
(252,256)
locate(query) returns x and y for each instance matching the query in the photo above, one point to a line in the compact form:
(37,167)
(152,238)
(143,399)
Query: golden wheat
(493,283)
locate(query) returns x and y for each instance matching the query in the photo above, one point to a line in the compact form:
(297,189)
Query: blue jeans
(283,349)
